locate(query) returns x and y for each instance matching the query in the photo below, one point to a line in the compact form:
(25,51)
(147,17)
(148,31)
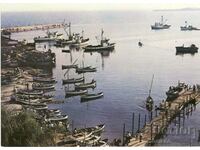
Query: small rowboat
(69,66)
(58,118)
(41,107)
(45,80)
(73,80)
(80,136)
(31,103)
(86,69)
(75,92)
(88,97)
(102,143)
(95,130)
(43,86)
(23,96)
(30,92)
(92,84)
(91,141)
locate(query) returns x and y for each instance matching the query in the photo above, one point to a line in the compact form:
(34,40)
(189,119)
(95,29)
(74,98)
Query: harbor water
(124,75)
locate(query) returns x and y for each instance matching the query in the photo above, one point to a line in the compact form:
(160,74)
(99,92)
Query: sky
(90,5)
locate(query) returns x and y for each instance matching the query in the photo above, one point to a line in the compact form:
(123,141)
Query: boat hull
(181,49)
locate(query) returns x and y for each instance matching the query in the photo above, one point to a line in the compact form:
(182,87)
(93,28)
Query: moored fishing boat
(69,66)
(73,80)
(96,130)
(104,45)
(57,118)
(75,92)
(38,86)
(175,91)
(87,97)
(160,25)
(45,80)
(30,92)
(190,49)
(188,27)
(30,103)
(86,69)
(92,84)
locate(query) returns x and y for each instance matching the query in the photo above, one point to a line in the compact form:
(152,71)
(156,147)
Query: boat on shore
(92,84)
(30,92)
(73,80)
(104,45)
(38,86)
(30,103)
(57,118)
(191,49)
(45,80)
(75,92)
(96,130)
(160,25)
(87,97)
(69,66)
(86,69)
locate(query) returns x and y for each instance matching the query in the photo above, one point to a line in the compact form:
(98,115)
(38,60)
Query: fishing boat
(87,97)
(149,100)
(40,108)
(30,92)
(73,80)
(80,136)
(96,130)
(75,92)
(38,86)
(51,36)
(79,41)
(160,25)
(92,84)
(57,118)
(86,69)
(45,80)
(23,96)
(69,66)
(30,103)
(91,141)
(104,45)
(175,91)
(66,51)
(191,49)
(188,27)
(102,143)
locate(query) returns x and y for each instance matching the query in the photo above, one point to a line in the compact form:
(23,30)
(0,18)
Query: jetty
(157,127)
(32,27)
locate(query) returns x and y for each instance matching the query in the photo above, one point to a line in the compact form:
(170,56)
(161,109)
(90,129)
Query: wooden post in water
(139,123)
(72,125)
(145,120)
(133,124)
(123,138)
(151,132)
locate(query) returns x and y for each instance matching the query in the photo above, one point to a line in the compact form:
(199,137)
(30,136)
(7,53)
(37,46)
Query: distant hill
(182,9)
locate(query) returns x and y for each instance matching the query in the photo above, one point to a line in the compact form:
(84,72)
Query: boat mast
(151,85)
(70,34)
(102,36)
(161,19)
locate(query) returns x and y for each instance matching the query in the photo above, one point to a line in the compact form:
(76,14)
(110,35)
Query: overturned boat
(92,84)
(73,80)
(88,97)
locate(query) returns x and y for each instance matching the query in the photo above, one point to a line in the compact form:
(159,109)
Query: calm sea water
(125,74)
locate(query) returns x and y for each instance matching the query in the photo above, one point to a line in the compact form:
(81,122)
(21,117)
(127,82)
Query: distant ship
(190,49)
(104,45)
(160,25)
(51,36)
(188,27)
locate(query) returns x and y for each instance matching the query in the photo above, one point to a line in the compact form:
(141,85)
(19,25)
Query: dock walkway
(159,124)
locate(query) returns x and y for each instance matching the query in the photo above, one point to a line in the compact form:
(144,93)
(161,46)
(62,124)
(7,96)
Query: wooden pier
(158,125)
(32,28)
